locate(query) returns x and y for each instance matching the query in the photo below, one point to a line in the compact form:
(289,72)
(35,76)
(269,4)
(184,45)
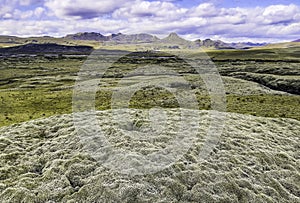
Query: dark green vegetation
(261,82)
(47,48)
(276,68)
(33,87)
(290,54)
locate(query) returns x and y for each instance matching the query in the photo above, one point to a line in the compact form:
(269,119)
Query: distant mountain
(114,38)
(173,38)
(298,40)
(173,41)
(208,43)
(133,39)
(246,45)
(88,36)
(218,44)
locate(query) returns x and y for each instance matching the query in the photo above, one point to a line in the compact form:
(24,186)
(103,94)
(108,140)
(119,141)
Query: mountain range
(172,41)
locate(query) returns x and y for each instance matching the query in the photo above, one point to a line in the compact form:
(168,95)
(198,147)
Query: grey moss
(255,160)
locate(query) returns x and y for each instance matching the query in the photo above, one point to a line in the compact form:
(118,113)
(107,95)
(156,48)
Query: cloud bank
(205,20)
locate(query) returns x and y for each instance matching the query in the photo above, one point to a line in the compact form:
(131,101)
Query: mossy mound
(255,160)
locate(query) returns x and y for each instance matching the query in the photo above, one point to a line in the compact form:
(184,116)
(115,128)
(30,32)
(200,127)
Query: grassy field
(257,82)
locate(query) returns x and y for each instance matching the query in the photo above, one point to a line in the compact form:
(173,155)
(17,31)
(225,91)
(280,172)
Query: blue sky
(228,20)
(233,3)
(253,3)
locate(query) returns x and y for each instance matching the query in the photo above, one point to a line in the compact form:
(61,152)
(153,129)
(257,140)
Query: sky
(227,20)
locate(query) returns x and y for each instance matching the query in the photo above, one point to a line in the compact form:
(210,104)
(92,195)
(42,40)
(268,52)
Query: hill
(33,48)
(10,41)
(255,159)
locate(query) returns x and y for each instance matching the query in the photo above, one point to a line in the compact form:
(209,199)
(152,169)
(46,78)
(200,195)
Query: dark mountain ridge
(50,48)
(87,36)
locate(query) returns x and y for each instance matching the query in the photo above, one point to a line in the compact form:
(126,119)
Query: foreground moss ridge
(255,160)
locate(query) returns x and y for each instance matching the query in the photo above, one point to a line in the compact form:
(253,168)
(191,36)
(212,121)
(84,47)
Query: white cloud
(280,13)
(83,9)
(6,7)
(23,15)
(39,11)
(145,9)
(58,28)
(9,9)
(206,20)
(7,16)
(204,10)
(17,14)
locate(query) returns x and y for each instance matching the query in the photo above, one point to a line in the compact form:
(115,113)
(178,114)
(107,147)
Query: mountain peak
(175,41)
(173,35)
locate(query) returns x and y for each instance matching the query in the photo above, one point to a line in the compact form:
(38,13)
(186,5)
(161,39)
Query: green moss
(277,106)
(38,87)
